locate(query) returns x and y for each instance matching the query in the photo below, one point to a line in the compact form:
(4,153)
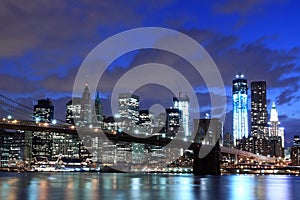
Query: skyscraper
(295,151)
(129,109)
(145,122)
(73,110)
(86,111)
(240,107)
(183,104)
(98,110)
(173,121)
(274,129)
(43,111)
(259,113)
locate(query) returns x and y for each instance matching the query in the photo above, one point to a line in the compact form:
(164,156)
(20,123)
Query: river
(109,186)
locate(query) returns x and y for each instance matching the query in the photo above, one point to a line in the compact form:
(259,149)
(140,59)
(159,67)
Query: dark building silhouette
(145,118)
(259,113)
(228,139)
(275,147)
(98,110)
(43,111)
(253,144)
(295,151)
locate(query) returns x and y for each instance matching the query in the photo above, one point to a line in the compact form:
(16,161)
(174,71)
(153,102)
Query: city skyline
(167,99)
(38,61)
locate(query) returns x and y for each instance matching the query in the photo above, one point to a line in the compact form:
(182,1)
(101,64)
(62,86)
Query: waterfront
(146,186)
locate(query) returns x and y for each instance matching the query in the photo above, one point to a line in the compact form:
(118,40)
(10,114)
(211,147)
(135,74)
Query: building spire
(274,113)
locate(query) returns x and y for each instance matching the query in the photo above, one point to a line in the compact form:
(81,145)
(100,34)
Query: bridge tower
(210,164)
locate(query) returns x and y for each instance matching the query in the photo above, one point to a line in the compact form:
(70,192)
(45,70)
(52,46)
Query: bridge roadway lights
(210,164)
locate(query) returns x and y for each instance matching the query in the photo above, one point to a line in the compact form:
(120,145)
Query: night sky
(43,43)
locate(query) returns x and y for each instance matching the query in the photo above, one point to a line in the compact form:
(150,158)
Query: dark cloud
(287,97)
(243,7)
(12,84)
(60,84)
(53,24)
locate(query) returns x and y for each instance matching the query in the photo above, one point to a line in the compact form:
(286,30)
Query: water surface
(146,186)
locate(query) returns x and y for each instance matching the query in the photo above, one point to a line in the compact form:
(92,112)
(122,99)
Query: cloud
(243,7)
(19,85)
(54,24)
(59,84)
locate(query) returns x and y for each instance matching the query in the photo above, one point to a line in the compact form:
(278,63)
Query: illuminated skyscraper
(183,104)
(240,108)
(73,111)
(274,129)
(259,113)
(129,109)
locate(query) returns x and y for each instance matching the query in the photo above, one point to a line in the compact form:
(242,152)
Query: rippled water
(146,186)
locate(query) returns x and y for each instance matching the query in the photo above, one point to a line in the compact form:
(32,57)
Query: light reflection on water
(146,186)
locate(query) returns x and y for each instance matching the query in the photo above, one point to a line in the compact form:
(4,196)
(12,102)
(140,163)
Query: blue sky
(42,45)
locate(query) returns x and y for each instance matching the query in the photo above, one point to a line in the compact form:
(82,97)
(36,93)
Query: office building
(173,121)
(73,111)
(145,122)
(259,113)
(129,109)
(254,144)
(43,111)
(98,116)
(183,104)
(228,139)
(86,111)
(145,118)
(295,151)
(240,108)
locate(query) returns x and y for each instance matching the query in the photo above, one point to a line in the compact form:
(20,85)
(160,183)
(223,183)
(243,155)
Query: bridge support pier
(210,164)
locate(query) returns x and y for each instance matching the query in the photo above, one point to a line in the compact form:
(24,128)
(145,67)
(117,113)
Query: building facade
(43,111)
(129,110)
(259,113)
(173,121)
(183,104)
(86,107)
(240,108)
(295,151)
(73,111)
(274,129)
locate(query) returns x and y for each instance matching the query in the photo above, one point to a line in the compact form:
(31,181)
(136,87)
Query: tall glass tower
(183,104)
(259,113)
(240,107)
